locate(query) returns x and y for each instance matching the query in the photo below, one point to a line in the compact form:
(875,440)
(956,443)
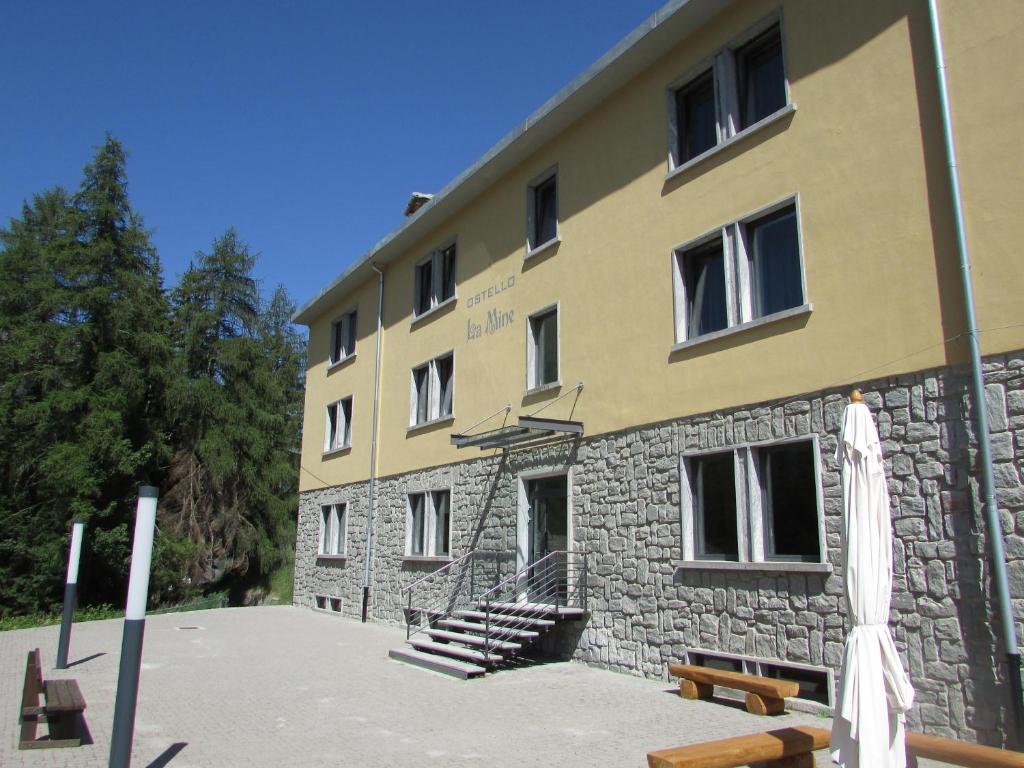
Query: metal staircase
(452,629)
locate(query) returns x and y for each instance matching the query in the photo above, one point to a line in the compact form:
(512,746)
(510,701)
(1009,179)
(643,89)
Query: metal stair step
(504,618)
(536,608)
(499,631)
(442,664)
(458,651)
(458,637)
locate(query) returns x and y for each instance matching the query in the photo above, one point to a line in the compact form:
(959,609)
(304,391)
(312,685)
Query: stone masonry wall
(647,611)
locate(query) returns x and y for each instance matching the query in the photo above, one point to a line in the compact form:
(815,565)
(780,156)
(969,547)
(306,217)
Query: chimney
(417,201)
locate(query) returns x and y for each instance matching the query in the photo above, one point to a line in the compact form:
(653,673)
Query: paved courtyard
(287,686)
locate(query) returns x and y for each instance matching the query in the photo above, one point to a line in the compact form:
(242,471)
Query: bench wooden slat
(64,696)
(960,753)
(743,750)
(763,686)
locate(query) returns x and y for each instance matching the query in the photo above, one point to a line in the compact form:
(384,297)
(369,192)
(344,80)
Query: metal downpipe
(995,533)
(372,492)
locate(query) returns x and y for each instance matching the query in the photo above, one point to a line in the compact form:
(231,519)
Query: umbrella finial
(856,396)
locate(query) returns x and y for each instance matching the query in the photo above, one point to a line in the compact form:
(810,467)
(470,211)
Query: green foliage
(108,382)
(88,613)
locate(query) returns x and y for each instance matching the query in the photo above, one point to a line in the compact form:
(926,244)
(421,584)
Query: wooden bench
(765,695)
(62,710)
(793,748)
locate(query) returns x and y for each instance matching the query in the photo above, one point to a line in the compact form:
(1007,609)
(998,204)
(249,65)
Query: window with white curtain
(432,391)
(343,337)
(332,529)
(542,348)
(338,431)
(744,271)
(434,280)
(428,524)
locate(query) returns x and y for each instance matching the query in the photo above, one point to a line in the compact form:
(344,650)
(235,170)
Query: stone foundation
(647,611)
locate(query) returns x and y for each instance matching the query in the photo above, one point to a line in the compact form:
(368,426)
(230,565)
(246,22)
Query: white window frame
(430,522)
(346,325)
(434,414)
(436,260)
(751,533)
(342,437)
(725,77)
(739,286)
(532,362)
(333,530)
(532,248)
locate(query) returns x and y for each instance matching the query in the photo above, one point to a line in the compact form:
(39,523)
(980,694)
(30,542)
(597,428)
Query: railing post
(586,574)
(408,618)
(472,576)
(487,629)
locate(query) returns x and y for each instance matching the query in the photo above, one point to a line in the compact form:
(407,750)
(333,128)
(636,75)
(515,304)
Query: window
(745,271)
(432,394)
(542,348)
(428,524)
(758,503)
(542,212)
(435,280)
(743,85)
(339,425)
(815,682)
(343,337)
(332,529)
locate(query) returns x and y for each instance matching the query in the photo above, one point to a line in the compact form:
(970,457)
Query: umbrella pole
(995,533)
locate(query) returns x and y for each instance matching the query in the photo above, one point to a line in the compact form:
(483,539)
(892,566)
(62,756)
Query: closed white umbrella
(874,690)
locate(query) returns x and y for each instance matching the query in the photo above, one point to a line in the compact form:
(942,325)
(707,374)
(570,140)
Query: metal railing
(450,588)
(537,592)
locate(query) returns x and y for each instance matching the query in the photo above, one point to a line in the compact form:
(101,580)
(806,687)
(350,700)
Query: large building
(628,332)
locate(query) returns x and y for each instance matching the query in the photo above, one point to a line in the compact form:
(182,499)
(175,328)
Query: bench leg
(763,705)
(691,690)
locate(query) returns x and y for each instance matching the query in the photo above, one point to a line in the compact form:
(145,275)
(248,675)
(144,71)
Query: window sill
(417,319)
(432,423)
(426,559)
(542,388)
(332,558)
(531,252)
(336,452)
(784,566)
(341,363)
(803,309)
(750,129)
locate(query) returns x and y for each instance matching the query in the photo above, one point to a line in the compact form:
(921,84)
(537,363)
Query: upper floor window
(428,524)
(435,280)
(332,529)
(433,390)
(338,433)
(755,503)
(542,212)
(343,337)
(741,86)
(746,270)
(542,348)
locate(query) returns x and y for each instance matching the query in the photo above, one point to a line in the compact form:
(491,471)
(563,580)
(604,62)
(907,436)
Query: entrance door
(548,515)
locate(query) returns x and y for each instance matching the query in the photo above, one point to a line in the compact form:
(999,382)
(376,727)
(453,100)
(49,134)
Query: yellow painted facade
(862,152)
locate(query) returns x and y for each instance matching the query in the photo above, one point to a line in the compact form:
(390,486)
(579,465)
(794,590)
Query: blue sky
(304,125)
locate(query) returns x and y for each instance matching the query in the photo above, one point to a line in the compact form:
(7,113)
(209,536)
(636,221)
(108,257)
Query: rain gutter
(995,532)
(372,493)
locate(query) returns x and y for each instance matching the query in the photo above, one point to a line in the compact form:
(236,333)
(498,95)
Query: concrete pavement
(284,686)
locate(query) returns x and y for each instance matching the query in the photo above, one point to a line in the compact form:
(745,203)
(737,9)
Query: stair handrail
(434,574)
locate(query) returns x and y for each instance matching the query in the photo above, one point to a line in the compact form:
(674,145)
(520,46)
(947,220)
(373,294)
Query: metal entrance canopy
(529,429)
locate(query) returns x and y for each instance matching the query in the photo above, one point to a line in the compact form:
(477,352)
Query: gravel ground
(283,686)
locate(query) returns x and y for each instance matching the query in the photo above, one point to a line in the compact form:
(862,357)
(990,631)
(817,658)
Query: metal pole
(995,533)
(70,594)
(134,625)
(372,490)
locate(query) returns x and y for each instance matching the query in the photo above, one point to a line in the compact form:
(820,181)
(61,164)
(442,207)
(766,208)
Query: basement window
(813,681)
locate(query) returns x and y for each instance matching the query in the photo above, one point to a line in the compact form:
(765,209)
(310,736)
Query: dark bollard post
(134,624)
(70,594)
